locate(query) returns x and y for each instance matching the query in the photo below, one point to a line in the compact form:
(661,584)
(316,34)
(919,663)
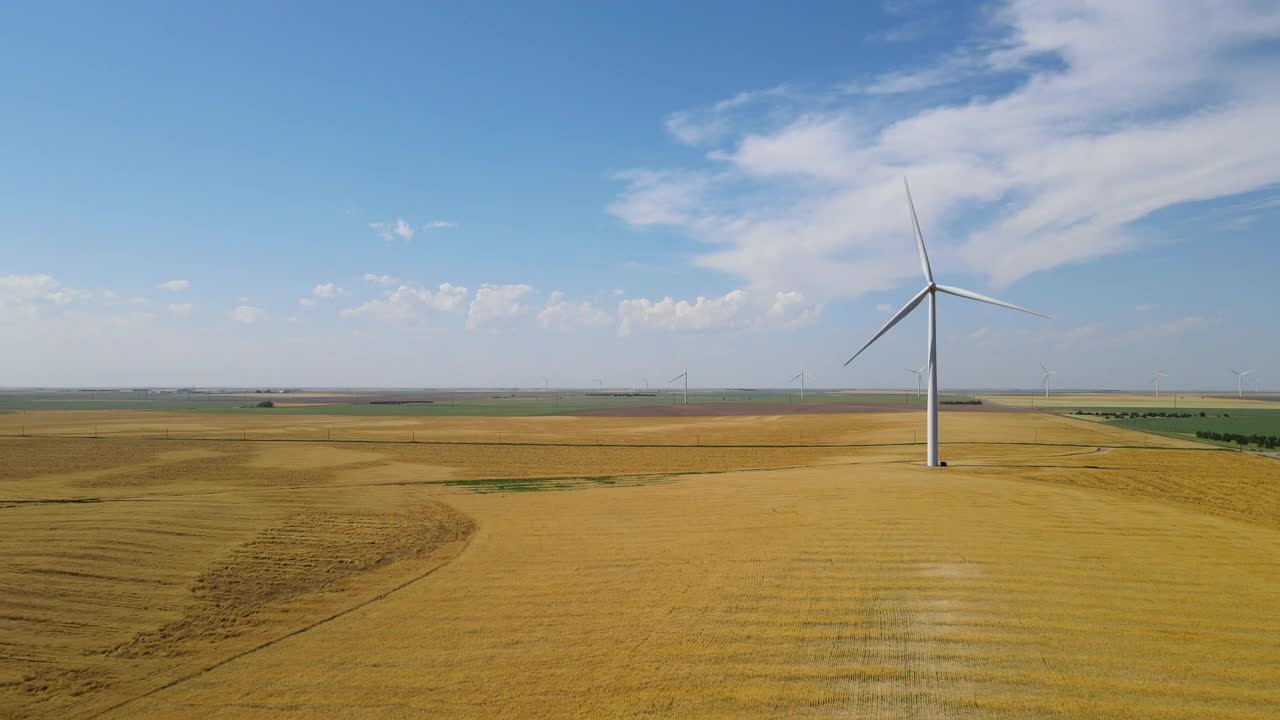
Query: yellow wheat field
(1056,569)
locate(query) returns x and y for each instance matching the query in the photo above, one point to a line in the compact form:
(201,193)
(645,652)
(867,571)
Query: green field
(1241,421)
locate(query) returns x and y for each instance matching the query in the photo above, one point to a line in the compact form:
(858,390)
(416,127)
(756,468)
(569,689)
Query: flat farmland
(1167,401)
(767,566)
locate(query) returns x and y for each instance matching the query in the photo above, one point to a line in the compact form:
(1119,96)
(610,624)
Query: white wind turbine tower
(1240,381)
(1156,379)
(919,378)
(801,376)
(684,375)
(931,291)
(1045,382)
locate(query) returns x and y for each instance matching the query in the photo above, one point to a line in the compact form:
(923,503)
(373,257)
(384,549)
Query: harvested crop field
(777,408)
(1058,568)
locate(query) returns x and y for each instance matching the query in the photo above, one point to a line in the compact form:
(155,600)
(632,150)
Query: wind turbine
(1045,382)
(599,383)
(919,378)
(684,375)
(546,382)
(646,384)
(1156,379)
(1240,381)
(931,291)
(801,376)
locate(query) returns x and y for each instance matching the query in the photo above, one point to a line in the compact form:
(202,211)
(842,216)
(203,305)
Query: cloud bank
(1105,112)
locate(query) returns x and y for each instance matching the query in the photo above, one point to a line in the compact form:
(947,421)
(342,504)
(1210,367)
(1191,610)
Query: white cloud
(381,279)
(884,307)
(328,290)
(1147,307)
(709,124)
(180,309)
(407,303)
(1113,111)
(496,305)
(391,230)
(735,310)
(818,147)
(248,314)
(565,316)
(306,301)
(440,225)
(27,296)
(175,285)
(668,314)
(789,311)
(659,198)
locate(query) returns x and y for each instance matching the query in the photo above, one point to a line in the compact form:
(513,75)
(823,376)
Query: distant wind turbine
(1045,382)
(801,376)
(1156,379)
(1240,381)
(919,378)
(931,291)
(599,383)
(684,375)
(646,384)
(546,382)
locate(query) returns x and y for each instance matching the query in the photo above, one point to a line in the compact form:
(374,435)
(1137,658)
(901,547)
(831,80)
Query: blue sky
(489,194)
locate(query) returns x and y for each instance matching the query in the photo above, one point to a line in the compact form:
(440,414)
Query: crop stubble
(1024,581)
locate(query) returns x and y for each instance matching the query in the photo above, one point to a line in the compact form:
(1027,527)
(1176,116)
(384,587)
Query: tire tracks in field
(295,632)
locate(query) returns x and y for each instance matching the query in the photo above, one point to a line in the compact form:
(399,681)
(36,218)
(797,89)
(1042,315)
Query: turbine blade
(971,295)
(797,377)
(677,377)
(905,311)
(1042,367)
(915,222)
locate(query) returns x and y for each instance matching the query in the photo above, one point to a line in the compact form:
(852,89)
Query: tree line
(1270,442)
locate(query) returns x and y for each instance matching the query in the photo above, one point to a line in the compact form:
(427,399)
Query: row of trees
(1137,415)
(1270,442)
